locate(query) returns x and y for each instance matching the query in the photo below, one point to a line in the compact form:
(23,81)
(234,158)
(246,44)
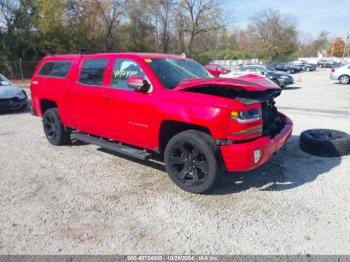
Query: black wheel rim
(188,164)
(50,127)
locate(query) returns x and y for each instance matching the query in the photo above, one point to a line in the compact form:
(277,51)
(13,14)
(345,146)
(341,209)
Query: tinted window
(123,69)
(58,69)
(93,71)
(171,71)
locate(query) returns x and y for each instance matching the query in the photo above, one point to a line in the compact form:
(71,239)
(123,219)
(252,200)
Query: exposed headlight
(247,116)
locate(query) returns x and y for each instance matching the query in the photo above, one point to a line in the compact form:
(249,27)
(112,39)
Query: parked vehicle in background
(142,104)
(11,96)
(217,70)
(290,69)
(324,63)
(305,66)
(342,74)
(281,78)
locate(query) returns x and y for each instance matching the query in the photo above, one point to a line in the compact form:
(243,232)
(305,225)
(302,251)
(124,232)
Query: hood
(278,73)
(10,91)
(251,83)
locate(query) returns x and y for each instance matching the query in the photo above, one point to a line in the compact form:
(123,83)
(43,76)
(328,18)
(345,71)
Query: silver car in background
(342,74)
(11,96)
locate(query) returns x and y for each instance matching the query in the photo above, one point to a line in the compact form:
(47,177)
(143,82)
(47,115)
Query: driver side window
(123,69)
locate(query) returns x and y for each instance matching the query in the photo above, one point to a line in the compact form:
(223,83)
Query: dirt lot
(78,199)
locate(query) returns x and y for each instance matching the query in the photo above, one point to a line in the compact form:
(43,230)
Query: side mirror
(138,83)
(262,72)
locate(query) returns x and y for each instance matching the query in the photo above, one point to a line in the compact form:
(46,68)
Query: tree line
(29,29)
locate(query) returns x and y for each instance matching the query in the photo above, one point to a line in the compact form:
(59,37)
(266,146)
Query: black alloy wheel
(188,164)
(192,161)
(54,130)
(50,127)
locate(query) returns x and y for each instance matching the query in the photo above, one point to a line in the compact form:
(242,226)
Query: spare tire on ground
(325,142)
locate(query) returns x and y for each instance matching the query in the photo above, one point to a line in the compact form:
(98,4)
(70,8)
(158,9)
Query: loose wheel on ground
(325,142)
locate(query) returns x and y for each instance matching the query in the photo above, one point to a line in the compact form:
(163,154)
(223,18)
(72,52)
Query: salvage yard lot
(79,199)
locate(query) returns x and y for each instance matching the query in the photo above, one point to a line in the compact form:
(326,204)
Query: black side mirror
(138,83)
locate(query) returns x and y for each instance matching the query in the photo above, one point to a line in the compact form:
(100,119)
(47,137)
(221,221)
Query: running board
(112,146)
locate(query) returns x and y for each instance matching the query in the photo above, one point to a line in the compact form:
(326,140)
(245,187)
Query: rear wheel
(192,161)
(54,130)
(308,69)
(344,79)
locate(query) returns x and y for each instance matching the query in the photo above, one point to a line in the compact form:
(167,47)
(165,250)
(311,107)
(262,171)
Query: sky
(312,16)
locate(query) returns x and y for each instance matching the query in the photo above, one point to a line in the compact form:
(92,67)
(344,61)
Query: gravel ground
(79,199)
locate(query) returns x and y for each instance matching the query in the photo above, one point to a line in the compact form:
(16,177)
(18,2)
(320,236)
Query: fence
(316,59)
(17,69)
(235,63)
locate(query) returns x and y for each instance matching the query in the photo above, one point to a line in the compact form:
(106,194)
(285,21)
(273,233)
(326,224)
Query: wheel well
(47,104)
(170,128)
(344,75)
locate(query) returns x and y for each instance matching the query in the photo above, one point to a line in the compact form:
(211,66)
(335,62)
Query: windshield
(4,79)
(171,71)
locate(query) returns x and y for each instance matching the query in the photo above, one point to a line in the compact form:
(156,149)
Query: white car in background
(341,73)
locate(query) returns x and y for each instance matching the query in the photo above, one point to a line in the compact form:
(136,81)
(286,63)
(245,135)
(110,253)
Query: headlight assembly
(21,94)
(247,116)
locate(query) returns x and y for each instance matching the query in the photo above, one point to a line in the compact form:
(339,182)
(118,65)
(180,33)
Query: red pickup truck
(139,105)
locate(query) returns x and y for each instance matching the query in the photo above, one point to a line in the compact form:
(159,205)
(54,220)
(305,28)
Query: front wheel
(54,130)
(344,79)
(192,161)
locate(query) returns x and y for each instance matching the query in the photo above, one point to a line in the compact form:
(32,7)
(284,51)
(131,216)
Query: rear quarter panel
(53,88)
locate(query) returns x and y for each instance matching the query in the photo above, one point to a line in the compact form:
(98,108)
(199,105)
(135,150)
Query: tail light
(333,69)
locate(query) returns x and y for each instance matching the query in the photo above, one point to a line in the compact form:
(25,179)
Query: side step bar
(112,146)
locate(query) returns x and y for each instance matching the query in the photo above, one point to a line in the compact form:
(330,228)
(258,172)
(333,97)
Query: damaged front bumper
(252,154)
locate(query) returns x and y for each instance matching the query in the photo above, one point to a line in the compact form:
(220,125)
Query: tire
(325,142)
(54,130)
(344,79)
(308,69)
(289,71)
(192,161)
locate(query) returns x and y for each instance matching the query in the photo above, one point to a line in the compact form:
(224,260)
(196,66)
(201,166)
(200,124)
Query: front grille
(10,102)
(273,122)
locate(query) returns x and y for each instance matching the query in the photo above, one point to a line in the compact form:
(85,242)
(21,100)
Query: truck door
(86,95)
(131,115)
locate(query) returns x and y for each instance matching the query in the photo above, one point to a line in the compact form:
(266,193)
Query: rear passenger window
(57,69)
(93,71)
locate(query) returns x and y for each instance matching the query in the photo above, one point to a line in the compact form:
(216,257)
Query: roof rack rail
(83,51)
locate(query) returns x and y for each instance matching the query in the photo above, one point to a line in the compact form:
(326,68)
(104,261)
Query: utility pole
(346,41)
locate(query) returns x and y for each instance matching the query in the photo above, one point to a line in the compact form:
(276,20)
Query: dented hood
(249,83)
